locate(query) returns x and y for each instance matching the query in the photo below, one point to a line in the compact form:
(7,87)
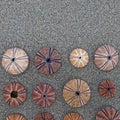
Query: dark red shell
(44,95)
(14,94)
(48,61)
(44,116)
(108,113)
(107,88)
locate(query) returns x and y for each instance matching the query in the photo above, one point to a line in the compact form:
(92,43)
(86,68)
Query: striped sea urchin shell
(14,94)
(107,89)
(73,116)
(15,61)
(76,93)
(44,116)
(15,117)
(108,113)
(47,61)
(106,58)
(79,58)
(44,95)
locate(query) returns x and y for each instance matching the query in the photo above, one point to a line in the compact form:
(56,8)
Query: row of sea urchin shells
(105,58)
(15,94)
(48,60)
(107,113)
(45,116)
(41,116)
(76,93)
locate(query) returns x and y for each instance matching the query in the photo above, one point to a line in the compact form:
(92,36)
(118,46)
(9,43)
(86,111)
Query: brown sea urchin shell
(44,95)
(106,58)
(107,88)
(47,61)
(14,94)
(108,113)
(79,58)
(15,117)
(76,93)
(44,116)
(73,116)
(15,61)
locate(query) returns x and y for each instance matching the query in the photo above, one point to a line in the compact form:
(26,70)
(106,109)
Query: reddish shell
(108,113)
(44,116)
(47,61)
(107,88)
(44,95)
(106,58)
(14,94)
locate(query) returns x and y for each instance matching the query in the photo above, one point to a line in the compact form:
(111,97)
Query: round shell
(47,61)
(79,58)
(44,116)
(14,94)
(108,113)
(106,58)
(76,93)
(73,116)
(15,117)
(107,89)
(44,95)
(15,61)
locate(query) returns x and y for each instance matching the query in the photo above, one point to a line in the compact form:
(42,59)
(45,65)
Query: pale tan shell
(20,61)
(76,93)
(15,117)
(106,58)
(79,58)
(73,116)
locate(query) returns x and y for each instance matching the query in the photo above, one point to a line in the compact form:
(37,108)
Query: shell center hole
(14,94)
(13,59)
(44,96)
(77,93)
(109,57)
(48,60)
(108,88)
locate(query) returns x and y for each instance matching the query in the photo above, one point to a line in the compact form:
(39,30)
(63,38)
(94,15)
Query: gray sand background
(64,25)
